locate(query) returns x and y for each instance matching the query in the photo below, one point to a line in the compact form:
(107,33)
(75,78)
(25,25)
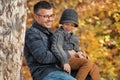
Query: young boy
(65,47)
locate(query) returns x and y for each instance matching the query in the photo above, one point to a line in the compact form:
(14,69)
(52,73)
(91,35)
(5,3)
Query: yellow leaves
(57,1)
(25,71)
(116,16)
(101,15)
(109,70)
(30,4)
(107,38)
(117,24)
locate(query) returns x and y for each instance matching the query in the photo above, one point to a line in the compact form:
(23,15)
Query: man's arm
(36,46)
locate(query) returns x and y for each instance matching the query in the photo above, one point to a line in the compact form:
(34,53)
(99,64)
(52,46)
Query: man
(39,58)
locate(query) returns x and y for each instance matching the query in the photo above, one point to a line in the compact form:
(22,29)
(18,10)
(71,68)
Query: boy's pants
(84,67)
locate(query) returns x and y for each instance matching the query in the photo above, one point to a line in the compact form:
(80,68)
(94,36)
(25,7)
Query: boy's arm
(67,68)
(57,47)
(75,41)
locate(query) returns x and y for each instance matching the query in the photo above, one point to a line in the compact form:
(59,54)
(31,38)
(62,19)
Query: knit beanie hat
(69,15)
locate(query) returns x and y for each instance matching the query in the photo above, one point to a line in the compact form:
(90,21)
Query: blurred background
(98,31)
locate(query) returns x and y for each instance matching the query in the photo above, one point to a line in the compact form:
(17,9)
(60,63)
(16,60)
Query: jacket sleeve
(57,48)
(74,40)
(36,47)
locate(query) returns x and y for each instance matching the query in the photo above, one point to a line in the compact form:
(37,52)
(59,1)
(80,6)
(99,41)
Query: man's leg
(74,73)
(58,75)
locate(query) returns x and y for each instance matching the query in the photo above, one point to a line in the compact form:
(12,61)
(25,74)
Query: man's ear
(35,16)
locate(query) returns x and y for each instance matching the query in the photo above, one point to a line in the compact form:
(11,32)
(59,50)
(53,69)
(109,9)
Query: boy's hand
(82,54)
(72,53)
(67,68)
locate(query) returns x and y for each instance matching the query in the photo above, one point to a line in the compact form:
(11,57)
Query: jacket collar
(61,28)
(67,36)
(41,28)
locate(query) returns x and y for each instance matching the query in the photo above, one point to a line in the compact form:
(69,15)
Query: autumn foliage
(99,32)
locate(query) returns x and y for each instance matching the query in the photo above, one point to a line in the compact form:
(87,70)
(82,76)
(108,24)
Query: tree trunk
(12,30)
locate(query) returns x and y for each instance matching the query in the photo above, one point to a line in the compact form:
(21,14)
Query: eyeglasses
(46,16)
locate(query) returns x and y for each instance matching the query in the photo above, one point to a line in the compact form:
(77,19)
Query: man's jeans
(73,73)
(58,75)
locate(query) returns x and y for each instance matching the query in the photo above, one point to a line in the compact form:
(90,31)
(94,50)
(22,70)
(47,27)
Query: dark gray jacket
(37,51)
(62,42)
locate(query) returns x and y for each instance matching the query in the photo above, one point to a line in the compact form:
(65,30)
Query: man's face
(68,26)
(45,17)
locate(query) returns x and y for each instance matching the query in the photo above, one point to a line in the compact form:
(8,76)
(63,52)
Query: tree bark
(12,31)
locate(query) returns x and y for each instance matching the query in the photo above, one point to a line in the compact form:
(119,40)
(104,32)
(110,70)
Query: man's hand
(67,68)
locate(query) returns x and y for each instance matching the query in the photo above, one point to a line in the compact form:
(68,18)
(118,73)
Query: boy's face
(68,26)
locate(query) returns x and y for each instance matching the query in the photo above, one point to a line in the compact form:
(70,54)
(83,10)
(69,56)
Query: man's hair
(42,5)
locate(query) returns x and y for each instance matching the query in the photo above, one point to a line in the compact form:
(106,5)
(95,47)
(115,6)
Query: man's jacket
(37,51)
